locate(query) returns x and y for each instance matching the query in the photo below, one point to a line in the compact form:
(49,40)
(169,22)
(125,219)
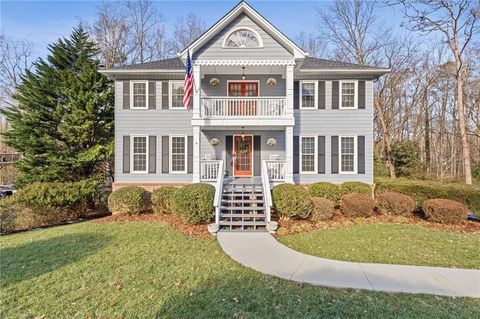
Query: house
(263,112)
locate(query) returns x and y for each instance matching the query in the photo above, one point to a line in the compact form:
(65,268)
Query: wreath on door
(244,147)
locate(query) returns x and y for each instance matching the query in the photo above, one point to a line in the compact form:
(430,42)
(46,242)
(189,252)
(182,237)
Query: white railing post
(266,191)
(218,192)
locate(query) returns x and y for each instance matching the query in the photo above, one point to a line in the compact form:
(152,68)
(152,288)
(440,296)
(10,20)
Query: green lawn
(147,270)
(391,244)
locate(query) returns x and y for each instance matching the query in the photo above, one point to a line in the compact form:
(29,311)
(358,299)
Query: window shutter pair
(152,154)
(166,154)
(320,155)
(336,95)
(321,94)
(335,159)
(151,94)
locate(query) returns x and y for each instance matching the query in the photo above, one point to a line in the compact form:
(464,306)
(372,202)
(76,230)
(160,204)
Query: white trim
(355,95)
(315,163)
(355,154)
(132,136)
(170,95)
(170,162)
(253,155)
(131,94)
(244,62)
(257,35)
(229,81)
(315,97)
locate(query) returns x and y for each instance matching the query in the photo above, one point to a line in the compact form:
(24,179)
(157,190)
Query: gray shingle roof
(316,63)
(167,64)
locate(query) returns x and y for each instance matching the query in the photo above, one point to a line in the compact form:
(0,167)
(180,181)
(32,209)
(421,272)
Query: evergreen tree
(63,122)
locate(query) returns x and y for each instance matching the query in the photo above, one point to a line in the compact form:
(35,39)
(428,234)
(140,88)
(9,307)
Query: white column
(289,85)
(196,154)
(196,92)
(289,154)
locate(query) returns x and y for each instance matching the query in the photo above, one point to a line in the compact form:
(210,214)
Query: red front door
(242,155)
(245,107)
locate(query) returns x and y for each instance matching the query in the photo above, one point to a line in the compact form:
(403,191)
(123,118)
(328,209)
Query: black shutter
(361,154)
(229,157)
(190,154)
(165,105)
(152,154)
(321,94)
(296,95)
(151,95)
(126,154)
(165,154)
(296,153)
(335,95)
(126,94)
(334,150)
(361,94)
(257,155)
(321,155)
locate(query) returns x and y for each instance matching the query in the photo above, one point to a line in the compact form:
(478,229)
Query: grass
(148,270)
(391,244)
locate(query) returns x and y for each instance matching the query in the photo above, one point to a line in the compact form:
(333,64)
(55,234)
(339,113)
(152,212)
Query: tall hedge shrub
(130,200)
(194,202)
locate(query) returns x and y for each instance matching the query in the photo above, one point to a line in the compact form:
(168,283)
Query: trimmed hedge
(131,200)
(334,191)
(162,199)
(194,202)
(357,205)
(323,209)
(423,190)
(292,201)
(444,211)
(355,187)
(393,203)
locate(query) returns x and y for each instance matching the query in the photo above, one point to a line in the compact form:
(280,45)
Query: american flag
(188,83)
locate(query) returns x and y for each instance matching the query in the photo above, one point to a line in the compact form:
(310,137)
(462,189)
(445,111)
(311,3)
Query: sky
(43,22)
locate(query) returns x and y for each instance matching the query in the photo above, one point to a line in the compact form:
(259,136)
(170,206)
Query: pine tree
(63,122)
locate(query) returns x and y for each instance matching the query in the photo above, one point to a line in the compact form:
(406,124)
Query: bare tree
(457,21)
(14,61)
(311,43)
(186,30)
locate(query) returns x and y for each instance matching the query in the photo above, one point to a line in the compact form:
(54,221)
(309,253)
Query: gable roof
(243,7)
(172,64)
(316,64)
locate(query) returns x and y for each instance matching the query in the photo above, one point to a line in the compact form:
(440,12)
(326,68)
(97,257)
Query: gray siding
(214,50)
(264,90)
(158,122)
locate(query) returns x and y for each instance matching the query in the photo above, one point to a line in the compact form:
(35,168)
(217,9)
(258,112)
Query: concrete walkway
(262,252)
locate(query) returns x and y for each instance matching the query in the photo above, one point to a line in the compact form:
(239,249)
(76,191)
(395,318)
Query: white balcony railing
(243,107)
(276,170)
(209,170)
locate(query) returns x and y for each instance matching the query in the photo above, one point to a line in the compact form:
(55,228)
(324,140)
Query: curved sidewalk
(262,252)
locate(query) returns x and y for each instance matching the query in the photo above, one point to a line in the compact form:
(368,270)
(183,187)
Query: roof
(322,64)
(166,64)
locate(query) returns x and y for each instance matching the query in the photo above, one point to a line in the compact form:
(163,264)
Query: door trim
(243,81)
(233,155)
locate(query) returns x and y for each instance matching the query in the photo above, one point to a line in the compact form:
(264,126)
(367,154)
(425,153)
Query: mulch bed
(199,231)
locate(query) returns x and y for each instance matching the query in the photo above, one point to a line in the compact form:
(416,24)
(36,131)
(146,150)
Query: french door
(242,107)
(242,155)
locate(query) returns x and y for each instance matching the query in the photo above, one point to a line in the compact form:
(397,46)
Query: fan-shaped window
(243,38)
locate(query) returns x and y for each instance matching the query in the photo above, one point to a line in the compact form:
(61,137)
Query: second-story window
(176,94)
(308,94)
(348,95)
(139,98)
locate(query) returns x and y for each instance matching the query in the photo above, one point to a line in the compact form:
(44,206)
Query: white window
(243,38)
(139,94)
(308,154)
(308,94)
(348,154)
(176,94)
(348,94)
(178,154)
(139,153)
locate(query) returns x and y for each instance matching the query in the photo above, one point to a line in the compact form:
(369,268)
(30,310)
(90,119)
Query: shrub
(357,205)
(129,200)
(162,199)
(292,201)
(394,203)
(423,190)
(323,209)
(327,190)
(194,203)
(7,215)
(355,187)
(444,211)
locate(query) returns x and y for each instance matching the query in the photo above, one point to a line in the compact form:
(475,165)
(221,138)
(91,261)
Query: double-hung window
(308,154)
(139,96)
(178,154)
(348,154)
(308,94)
(176,94)
(139,155)
(348,95)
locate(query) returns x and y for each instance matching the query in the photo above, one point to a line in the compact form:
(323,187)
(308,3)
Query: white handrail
(276,170)
(209,170)
(218,192)
(243,106)
(266,191)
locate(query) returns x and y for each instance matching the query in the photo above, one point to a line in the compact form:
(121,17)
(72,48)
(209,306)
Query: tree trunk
(427,132)
(387,142)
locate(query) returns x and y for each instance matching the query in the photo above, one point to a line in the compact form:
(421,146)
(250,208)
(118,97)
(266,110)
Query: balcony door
(242,155)
(242,107)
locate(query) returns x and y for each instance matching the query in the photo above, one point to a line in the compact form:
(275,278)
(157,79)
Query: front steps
(242,208)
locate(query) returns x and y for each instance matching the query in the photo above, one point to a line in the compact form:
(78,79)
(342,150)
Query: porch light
(243,133)
(243,73)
